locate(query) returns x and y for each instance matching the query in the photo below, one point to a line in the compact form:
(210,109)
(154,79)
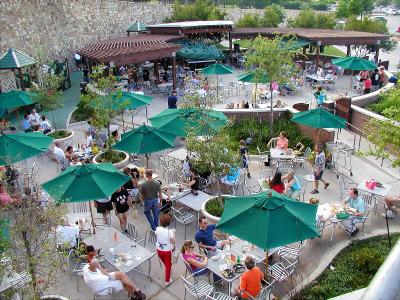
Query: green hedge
(261,135)
(354,268)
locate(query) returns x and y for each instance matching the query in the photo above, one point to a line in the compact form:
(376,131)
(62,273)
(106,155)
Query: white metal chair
(150,239)
(183,217)
(133,232)
(282,271)
(264,293)
(371,201)
(345,183)
(272,142)
(302,159)
(219,296)
(262,155)
(198,288)
(303,183)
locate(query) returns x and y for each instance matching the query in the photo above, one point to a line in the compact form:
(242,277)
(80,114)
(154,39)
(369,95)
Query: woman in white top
(165,245)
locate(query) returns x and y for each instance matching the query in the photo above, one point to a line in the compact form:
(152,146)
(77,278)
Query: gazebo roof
(131,49)
(325,36)
(137,27)
(14,59)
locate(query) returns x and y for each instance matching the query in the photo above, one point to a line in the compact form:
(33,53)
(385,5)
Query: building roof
(131,49)
(14,59)
(136,27)
(325,36)
(192,24)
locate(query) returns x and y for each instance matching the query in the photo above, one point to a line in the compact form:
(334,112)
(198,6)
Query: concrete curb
(330,256)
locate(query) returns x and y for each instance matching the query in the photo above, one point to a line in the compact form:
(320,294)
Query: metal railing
(386,283)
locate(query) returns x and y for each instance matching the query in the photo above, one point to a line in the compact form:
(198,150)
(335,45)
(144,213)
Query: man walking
(172,100)
(319,168)
(152,197)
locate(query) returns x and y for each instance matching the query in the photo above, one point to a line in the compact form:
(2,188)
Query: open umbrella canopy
(14,99)
(217,69)
(130,100)
(85,183)
(206,122)
(268,219)
(319,118)
(145,139)
(253,77)
(19,146)
(354,63)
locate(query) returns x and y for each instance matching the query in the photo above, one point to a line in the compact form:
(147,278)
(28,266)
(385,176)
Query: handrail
(386,282)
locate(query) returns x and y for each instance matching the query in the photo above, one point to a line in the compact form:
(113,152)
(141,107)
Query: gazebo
(14,59)
(136,27)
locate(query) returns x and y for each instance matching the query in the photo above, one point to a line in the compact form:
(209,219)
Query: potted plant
(32,245)
(103,99)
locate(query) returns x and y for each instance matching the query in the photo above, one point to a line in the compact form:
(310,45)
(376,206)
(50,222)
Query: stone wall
(61,27)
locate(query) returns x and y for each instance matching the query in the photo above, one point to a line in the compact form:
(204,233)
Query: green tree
(396,3)
(385,134)
(342,10)
(270,57)
(360,7)
(310,19)
(200,10)
(249,20)
(273,16)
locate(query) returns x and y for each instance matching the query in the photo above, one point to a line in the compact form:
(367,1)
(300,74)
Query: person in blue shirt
(26,125)
(205,237)
(293,185)
(172,100)
(355,202)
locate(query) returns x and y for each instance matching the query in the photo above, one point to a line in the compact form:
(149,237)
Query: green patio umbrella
(175,120)
(217,69)
(16,99)
(20,146)
(354,63)
(145,140)
(268,219)
(319,118)
(85,183)
(254,77)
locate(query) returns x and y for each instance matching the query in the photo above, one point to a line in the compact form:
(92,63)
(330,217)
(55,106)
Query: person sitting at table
(276,183)
(293,186)
(45,125)
(166,198)
(58,152)
(165,245)
(68,234)
(26,125)
(355,202)
(196,261)
(36,128)
(69,154)
(89,138)
(34,118)
(194,183)
(91,253)
(5,198)
(121,203)
(230,176)
(393,205)
(250,281)
(99,281)
(104,207)
(205,237)
(282,141)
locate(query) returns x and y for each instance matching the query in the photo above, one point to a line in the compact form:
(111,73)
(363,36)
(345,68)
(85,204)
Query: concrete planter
(53,297)
(67,141)
(211,219)
(120,165)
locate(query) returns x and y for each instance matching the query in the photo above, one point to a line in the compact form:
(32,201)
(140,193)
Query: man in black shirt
(121,204)
(172,100)
(375,80)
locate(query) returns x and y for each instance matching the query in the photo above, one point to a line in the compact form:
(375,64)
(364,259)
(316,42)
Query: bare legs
(126,282)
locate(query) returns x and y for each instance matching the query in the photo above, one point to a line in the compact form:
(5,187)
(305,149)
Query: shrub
(368,260)
(59,134)
(319,6)
(215,207)
(292,4)
(111,156)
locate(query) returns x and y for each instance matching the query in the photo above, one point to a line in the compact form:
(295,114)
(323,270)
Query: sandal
(314,191)
(326,185)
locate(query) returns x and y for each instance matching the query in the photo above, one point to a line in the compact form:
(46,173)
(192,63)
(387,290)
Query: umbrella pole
(91,215)
(147,160)
(266,265)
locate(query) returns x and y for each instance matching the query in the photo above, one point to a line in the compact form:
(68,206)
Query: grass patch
(331,51)
(60,134)
(354,268)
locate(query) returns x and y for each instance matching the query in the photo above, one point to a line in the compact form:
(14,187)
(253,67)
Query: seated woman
(69,154)
(194,182)
(166,198)
(196,261)
(282,141)
(230,175)
(293,186)
(276,183)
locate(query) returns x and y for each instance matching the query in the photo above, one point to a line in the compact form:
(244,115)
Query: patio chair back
(198,289)
(132,231)
(150,239)
(284,166)
(345,183)
(272,143)
(80,207)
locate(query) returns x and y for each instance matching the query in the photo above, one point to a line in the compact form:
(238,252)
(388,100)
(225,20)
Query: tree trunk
(271,117)
(31,266)
(54,122)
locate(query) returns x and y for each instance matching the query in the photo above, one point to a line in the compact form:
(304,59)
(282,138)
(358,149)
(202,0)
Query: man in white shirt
(58,152)
(45,126)
(34,118)
(99,281)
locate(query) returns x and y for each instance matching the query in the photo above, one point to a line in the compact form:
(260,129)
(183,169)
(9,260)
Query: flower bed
(353,269)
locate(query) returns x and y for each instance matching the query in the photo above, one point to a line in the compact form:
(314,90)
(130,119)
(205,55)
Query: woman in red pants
(165,245)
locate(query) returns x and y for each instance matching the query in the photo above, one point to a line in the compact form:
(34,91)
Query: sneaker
(314,191)
(168,283)
(354,232)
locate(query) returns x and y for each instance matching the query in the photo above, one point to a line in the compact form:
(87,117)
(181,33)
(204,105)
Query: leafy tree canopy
(308,18)
(200,10)
(272,17)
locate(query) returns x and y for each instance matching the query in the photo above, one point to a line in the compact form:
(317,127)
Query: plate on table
(228,273)
(239,268)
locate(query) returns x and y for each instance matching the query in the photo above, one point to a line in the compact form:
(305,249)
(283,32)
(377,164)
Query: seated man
(58,151)
(358,204)
(205,237)
(99,281)
(68,234)
(250,281)
(393,205)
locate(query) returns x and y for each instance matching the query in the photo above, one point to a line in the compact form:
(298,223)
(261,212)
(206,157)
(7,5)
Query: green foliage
(396,3)
(215,207)
(386,102)
(200,10)
(249,20)
(60,134)
(294,4)
(360,7)
(319,5)
(260,134)
(111,156)
(273,16)
(308,18)
(342,10)
(354,268)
